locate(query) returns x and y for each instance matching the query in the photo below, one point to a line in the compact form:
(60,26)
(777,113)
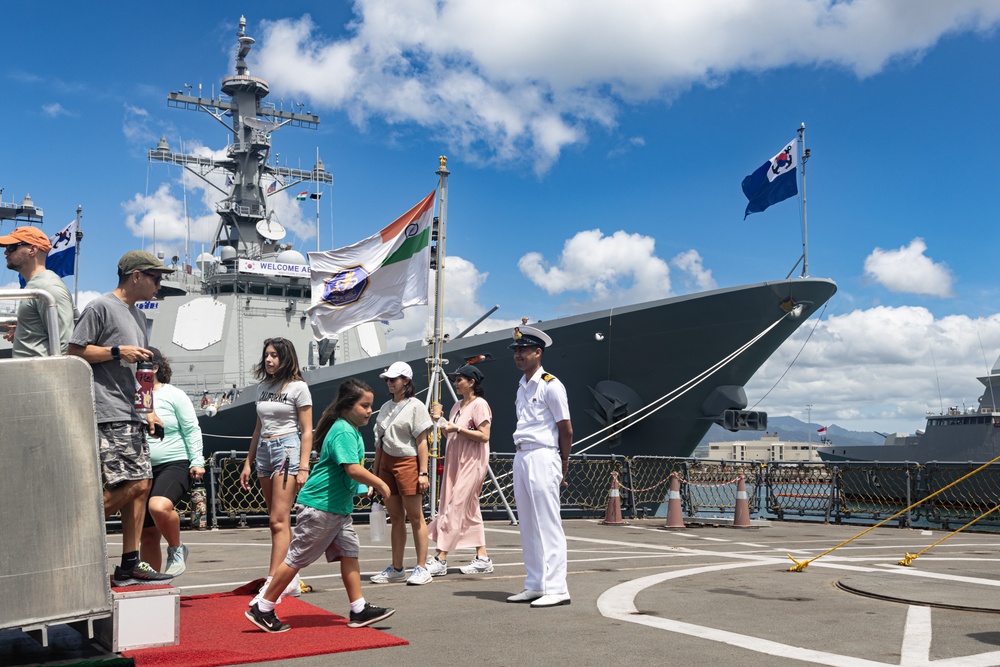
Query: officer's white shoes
(551,600)
(526,596)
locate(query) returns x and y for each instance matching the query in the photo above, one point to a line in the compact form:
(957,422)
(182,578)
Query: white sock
(265,606)
(358,605)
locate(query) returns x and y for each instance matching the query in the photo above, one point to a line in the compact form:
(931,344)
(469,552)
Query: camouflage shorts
(124,452)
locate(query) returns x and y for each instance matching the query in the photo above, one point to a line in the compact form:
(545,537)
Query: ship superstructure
(250,285)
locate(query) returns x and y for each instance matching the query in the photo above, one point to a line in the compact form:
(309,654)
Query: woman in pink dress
(459,523)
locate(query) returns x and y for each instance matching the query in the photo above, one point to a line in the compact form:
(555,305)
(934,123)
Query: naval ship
(641,379)
(952,435)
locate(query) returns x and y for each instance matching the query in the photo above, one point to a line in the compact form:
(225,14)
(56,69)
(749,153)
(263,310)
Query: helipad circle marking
(618,603)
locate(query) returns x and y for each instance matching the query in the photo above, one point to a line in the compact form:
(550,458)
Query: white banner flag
(374,279)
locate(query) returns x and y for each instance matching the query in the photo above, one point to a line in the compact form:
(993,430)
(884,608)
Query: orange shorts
(400,473)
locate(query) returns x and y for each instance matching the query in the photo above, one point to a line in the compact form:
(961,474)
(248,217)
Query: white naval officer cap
(525,336)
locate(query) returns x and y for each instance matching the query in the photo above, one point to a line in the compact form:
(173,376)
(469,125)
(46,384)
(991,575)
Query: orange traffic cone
(742,517)
(675,513)
(613,515)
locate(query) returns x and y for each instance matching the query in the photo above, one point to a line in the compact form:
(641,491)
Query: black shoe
(266,620)
(370,614)
(139,575)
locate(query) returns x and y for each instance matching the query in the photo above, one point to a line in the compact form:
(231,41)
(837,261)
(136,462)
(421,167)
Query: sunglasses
(157,277)
(14,246)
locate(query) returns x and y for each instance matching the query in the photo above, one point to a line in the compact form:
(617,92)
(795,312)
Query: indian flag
(374,279)
(302,195)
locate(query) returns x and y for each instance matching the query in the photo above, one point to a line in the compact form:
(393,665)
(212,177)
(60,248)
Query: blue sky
(596,152)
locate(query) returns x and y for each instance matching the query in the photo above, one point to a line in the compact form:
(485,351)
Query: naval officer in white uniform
(543,439)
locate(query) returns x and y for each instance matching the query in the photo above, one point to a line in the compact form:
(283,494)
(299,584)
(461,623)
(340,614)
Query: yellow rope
(801,565)
(909,558)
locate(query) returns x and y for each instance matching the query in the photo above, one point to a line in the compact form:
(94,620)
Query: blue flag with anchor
(774,181)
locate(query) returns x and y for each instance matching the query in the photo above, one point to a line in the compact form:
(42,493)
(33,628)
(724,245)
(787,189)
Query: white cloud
(909,270)
(54,110)
(879,369)
(621,268)
(462,307)
(695,276)
(524,79)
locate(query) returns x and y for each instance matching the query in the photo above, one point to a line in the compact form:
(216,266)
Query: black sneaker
(139,575)
(266,620)
(370,614)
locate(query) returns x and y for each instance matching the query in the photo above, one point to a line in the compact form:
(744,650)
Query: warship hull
(615,364)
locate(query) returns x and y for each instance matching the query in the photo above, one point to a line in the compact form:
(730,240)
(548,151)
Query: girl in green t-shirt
(323,522)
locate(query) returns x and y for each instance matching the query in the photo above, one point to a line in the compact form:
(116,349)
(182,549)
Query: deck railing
(857,493)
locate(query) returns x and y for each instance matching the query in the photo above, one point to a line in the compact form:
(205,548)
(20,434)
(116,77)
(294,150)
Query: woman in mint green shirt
(177,460)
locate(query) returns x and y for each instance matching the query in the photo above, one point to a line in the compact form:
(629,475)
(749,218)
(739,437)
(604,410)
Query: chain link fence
(845,492)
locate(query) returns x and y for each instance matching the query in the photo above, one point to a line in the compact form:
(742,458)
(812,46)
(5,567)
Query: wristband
(421,474)
(116,353)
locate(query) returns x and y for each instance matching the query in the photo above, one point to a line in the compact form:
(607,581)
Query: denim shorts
(279,455)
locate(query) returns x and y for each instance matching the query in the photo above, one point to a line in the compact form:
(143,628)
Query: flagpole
(434,388)
(76,257)
(805,223)
(316,189)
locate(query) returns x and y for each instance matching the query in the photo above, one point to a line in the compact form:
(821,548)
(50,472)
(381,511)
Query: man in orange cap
(25,250)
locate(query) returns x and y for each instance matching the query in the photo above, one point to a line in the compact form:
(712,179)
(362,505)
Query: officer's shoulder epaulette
(548,377)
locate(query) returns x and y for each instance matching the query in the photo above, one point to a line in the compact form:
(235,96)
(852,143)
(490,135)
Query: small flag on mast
(62,257)
(272,187)
(774,181)
(316,195)
(302,195)
(821,430)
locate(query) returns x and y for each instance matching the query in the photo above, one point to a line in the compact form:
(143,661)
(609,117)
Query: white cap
(398,369)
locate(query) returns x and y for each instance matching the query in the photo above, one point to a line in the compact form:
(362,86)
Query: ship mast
(251,122)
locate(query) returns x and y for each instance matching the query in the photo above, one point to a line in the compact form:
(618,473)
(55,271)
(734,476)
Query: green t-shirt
(329,488)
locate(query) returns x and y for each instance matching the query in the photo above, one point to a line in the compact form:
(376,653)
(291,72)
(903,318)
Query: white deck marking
(618,603)
(916,637)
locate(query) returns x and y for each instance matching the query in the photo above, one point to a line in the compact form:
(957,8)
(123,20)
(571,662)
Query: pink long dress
(459,523)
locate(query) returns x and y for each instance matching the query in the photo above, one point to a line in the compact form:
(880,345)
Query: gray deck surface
(643,596)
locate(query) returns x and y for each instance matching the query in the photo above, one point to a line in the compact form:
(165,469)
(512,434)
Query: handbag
(378,526)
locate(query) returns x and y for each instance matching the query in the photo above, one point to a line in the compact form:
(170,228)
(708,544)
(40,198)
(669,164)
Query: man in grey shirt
(25,250)
(111,336)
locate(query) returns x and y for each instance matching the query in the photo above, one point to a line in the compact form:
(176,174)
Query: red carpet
(215,632)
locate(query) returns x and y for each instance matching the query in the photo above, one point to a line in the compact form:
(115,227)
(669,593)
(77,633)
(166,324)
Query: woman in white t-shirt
(281,443)
(401,462)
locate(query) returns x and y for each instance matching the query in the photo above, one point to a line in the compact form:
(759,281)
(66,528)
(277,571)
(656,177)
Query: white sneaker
(176,560)
(478,566)
(293,588)
(437,567)
(419,576)
(389,575)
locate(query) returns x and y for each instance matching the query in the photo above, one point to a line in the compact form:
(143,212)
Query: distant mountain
(792,430)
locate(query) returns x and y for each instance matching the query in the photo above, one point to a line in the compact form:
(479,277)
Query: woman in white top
(401,462)
(281,442)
